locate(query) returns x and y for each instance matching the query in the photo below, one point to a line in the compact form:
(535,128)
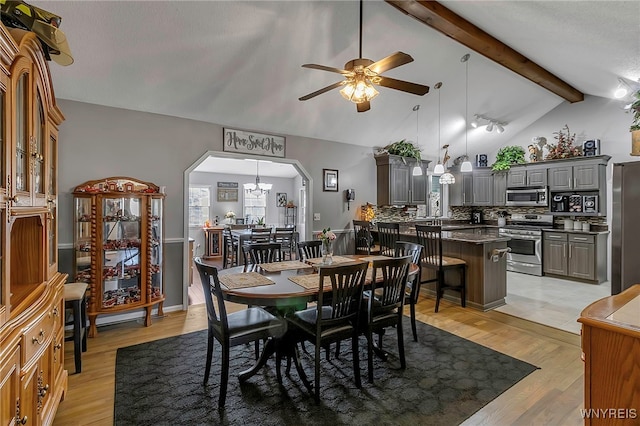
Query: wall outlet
(316,216)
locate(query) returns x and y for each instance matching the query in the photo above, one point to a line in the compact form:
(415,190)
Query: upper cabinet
(583,176)
(522,176)
(472,189)
(396,183)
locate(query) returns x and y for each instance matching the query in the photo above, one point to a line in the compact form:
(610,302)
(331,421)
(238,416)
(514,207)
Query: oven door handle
(522,237)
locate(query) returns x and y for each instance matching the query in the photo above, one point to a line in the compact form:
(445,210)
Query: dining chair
(285,237)
(364,241)
(406,248)
(237,328)
(388,234)
(309,249)
(430,237)
(260,235)
(385,304)
(229,249)
(257,253)
(334,318)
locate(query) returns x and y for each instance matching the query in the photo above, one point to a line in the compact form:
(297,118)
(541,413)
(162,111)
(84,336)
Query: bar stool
(75,300)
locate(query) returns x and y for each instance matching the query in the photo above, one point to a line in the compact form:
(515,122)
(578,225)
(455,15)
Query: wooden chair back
(309,249)
(257,253)
(388,234)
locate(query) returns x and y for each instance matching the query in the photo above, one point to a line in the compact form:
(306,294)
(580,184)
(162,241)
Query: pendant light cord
(360,51)
(466,112)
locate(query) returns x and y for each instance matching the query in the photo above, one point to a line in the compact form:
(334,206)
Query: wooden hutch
(118,246)
(32,375)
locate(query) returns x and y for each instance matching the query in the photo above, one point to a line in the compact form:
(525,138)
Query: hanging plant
(403,148)
(507,156)
(564,148)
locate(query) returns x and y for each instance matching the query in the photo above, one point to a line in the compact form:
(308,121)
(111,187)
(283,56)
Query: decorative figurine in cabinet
(118,246)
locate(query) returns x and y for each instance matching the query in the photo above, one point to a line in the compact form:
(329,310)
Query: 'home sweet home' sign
(253,143)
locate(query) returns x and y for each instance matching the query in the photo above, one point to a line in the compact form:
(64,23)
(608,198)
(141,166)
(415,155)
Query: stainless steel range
(525,231)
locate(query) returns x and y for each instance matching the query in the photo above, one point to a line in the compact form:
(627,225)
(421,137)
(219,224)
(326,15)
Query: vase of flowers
(230,216)
(327,236)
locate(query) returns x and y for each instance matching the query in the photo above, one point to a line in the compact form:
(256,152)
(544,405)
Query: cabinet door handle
(38,339)
(22,421)
(564,250)
(569,250)
(580,238)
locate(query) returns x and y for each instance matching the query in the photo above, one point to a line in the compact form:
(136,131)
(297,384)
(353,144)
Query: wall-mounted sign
(227,184)
(253,143)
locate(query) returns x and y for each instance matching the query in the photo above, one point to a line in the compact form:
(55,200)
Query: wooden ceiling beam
(438,17)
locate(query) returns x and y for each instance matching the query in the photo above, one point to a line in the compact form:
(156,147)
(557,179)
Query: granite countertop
(595,232)
(479,235)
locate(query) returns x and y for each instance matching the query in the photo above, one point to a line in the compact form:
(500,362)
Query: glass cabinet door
(22,132)
(157,254)
(82,239)
(121,277)
(37,148)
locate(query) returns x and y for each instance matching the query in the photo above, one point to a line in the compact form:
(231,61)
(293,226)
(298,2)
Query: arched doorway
(304,191)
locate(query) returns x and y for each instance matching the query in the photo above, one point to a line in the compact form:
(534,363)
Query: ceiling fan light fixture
(359,90)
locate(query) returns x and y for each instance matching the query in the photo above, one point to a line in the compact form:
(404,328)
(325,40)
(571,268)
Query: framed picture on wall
(329,180)
(227,194)
(281,199)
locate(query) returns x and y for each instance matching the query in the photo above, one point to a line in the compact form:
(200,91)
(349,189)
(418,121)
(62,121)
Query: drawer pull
(55,311)
(39,339)
(580,238)
(43,391)
(58,346)
(22,421)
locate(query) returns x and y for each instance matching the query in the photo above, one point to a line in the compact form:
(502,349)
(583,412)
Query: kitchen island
(486,275)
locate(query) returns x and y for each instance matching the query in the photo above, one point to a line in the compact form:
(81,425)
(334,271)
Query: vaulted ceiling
(238,63)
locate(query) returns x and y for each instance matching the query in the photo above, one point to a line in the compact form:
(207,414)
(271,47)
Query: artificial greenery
(507,156)
(635,110)
(403,148)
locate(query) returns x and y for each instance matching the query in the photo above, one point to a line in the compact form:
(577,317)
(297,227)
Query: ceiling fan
(362,74)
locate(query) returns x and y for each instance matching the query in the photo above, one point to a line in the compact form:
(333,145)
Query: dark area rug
(447,379)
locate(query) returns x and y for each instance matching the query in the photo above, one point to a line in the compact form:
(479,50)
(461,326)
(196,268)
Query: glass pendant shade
(466,166)
(447,179)
(438,169)
(417,171)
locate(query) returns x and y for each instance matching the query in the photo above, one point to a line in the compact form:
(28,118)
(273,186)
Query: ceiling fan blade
(405,86)
(325,68)
(321,91)
(390,62)
(363,106)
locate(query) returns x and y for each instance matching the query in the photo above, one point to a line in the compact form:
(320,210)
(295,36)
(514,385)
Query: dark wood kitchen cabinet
(526,175)
(578,176)
(472,189)
(580,256)
(499,188)
(396,183)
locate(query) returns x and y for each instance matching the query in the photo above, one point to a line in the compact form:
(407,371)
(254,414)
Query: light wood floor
(549,396)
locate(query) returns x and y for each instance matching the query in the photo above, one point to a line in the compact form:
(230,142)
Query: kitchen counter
(486,279)
(576,231)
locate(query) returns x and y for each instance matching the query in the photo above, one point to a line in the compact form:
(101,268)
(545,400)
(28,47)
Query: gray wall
(98,142)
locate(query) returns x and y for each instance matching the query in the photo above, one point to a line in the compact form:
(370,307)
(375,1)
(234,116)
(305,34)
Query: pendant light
(258,188)
(466,164)
(417,170)
(439,168)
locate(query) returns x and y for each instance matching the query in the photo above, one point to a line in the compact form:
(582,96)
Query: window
(199,202)
(255,207)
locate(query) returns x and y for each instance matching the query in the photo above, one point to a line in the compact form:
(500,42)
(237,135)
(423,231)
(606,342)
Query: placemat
(372,258)
(283,266)
(336,259)
(244,280)
(310,281)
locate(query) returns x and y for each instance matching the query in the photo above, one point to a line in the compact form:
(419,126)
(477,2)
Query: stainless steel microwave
(527,197)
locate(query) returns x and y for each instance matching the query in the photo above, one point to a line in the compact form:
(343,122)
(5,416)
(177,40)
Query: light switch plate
(316,216)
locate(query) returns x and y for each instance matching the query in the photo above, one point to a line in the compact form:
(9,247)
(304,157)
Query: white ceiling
(238,63)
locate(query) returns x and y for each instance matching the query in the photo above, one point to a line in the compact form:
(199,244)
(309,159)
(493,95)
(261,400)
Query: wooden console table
(611,355)
(213,242)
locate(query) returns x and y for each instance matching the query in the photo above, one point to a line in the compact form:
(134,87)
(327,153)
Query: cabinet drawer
(577,238)
(559,236)
(36,337)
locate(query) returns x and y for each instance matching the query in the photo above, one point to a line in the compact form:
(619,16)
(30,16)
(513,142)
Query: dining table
(283,287)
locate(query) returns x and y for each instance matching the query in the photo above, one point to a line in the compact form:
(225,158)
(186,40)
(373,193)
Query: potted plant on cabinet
(507,156)
(403,148)
(634,109)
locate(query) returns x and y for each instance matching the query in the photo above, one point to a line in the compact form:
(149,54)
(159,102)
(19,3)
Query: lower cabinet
(579,256)
(32,375)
